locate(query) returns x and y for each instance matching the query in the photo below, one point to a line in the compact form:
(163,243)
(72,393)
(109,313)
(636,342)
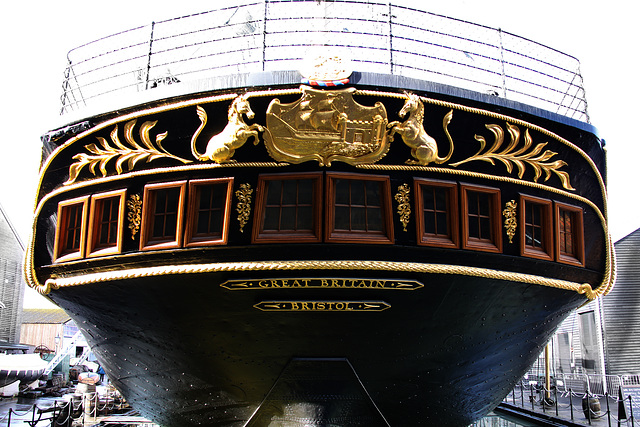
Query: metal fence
(378,37)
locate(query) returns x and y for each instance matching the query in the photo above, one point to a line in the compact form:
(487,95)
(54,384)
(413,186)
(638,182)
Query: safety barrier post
(571,402)
(606,396)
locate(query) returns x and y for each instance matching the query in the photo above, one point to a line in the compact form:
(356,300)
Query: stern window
(536,238)
(208,212)
(569,244)
(71,229)
(437,217)
(358,208)
(481,223)
(288,207)
(106,223)
(162,212)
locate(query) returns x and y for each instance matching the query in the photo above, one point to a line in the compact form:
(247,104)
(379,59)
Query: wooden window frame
(495,243)
(95,218)
(547,252)
(424,239)
(148,211)
(261,236)
(59,254)
(331,235)
(578,235)
(189,239)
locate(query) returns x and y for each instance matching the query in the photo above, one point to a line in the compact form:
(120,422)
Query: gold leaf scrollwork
(404,206)
(103,152)
(244,204)
(512,155)
(134,204)
(510,221)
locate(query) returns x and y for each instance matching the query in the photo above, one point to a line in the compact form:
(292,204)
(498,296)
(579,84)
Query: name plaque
(325,283)
(350,306)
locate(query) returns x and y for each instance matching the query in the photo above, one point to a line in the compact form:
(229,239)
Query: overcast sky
(36,36)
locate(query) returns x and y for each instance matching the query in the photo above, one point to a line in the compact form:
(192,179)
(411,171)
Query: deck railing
(271,35)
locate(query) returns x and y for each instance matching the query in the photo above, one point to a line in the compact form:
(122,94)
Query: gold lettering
(262,284)
(306,282)
(294,306)
(284,283)
(379,284)
(334,283)
(325,283)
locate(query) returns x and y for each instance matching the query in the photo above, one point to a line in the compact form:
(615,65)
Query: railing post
(571,402)
(504,76)
(264,36)
(390,42)
(631,411)
(606,396)
(153,25)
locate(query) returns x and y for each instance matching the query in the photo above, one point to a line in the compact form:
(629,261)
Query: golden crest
(326,125)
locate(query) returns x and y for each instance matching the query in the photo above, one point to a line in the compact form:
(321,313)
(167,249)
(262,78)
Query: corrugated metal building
(621,311)
(12,284)
(603,337)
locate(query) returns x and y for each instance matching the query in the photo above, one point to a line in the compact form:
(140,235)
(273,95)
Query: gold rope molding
(407,267)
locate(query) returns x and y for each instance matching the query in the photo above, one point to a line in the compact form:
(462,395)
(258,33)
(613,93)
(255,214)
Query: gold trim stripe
(404,267)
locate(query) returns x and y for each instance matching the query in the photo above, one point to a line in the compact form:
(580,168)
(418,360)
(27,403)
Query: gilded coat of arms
(326,126)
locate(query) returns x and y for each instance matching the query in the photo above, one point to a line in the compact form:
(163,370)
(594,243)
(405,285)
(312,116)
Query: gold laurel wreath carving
(404,205)
(244,204)
(511,155)
(510,221)
(102,153)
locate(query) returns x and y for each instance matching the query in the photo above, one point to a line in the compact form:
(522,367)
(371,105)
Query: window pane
(272,218)
(288,218)
(305,192)
(289,192)
(373,193)
(342,195)
(441,224)
(342,218)
(374,219)
(274,192)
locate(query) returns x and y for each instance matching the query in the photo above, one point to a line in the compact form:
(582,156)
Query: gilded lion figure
(424,148)
(222,146)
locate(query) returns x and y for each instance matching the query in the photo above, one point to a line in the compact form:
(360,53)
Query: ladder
(68,348)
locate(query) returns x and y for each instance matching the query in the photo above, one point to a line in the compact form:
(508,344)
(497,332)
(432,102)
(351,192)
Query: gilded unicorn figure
(424,148)
(222,146)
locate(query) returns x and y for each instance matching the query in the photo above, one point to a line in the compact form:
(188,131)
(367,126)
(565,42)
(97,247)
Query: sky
(36,35)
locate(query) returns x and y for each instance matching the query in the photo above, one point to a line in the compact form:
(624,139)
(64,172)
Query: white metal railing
(271,35)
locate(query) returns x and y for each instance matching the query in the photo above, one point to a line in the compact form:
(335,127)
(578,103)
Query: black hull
(444,354)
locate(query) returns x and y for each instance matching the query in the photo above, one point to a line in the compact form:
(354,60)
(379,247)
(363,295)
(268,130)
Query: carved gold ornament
(123,155)
(134,215)
(510,221)
(222,146)
(511,155)
(326,126)
(244,204)
(404,206)
(424,148)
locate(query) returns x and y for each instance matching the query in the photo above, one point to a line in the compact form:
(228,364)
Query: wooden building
(44,329)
